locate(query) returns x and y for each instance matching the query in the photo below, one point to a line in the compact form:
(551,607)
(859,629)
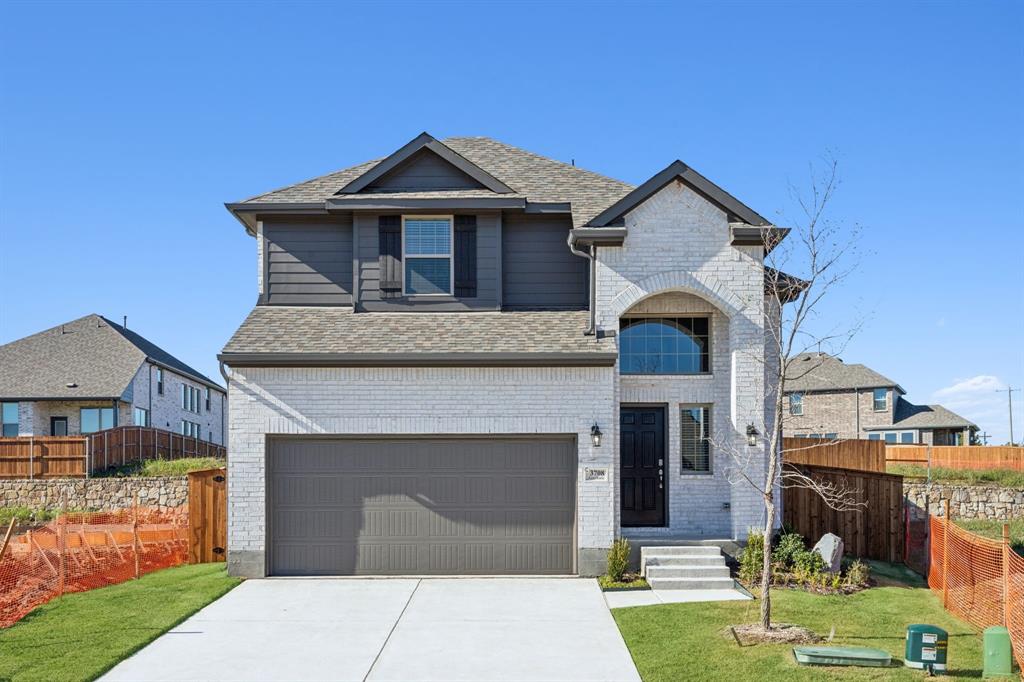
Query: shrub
(752,558)
(787,547)
(857,573)
(809,568)
(618,559)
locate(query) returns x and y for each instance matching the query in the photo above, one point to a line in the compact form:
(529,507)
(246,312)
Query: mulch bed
(781,633)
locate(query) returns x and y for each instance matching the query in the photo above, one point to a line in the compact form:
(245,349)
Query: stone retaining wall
(94,493)
(969,501)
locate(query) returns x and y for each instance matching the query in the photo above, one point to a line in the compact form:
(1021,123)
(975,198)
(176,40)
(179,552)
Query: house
(92,374)
(828,398)
(469,358)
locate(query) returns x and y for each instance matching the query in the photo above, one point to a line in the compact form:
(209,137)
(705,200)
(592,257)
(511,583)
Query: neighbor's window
(207,396)
(796,403)
(907,437)
(427,254)
(159,381)
(695,439)
(190,429)
(189,398)
(96,419)
(10,418)
(140,416)
(890,437)
(832,436)
(664,345)
(815,435)
(874,436)
(879,399)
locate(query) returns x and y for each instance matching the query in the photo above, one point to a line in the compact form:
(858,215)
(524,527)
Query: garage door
(421,506)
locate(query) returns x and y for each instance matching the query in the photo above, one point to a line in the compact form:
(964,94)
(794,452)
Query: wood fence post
(945,556)
(123,435)
(135,532)
(1006,575)
(106,452)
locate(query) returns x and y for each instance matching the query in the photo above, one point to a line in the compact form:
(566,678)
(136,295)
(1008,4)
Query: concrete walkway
(618,600)
(401,630)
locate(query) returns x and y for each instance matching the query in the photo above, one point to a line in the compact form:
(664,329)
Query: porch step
(666,572)
(691,583)
(659,560)
(681,550)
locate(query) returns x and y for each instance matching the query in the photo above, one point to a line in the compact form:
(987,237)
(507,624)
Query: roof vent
(71,384)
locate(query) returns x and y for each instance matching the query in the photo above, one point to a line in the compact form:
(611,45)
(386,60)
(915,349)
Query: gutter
(570,359)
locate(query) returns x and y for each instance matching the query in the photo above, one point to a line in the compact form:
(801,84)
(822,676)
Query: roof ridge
(55,327)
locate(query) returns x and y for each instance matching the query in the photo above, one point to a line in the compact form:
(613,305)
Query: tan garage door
(421,506)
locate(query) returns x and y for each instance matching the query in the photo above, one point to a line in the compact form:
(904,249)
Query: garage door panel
(393,507)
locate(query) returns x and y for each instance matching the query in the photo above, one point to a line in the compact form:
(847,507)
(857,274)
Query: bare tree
(800,271)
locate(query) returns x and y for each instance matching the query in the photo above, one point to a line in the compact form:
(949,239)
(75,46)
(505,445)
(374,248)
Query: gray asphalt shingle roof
(809,372)
(910,416)
(530,175)
(97,355)
(271,329)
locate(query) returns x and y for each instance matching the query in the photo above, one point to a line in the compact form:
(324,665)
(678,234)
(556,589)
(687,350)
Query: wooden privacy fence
(872,531)
(80,456)
(958,456)
(207,516)
(859,455)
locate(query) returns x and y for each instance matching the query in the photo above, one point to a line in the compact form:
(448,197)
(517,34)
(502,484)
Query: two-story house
(92,374)
(828,398)
(467,358)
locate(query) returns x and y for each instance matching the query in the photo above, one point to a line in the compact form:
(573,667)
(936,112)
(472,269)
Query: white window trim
(708,422)
(885,408)
(450,255)
(799,412)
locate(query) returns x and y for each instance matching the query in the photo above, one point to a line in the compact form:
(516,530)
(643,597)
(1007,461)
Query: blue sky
(126,126)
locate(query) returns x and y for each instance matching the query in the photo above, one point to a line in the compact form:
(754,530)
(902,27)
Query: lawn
(81,636)
(1006,478)
(152,468)
(675,642)
(994,530)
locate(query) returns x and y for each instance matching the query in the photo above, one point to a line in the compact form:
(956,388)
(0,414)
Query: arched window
(664,345)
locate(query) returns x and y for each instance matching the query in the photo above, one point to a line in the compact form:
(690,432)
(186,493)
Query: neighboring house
(827,398)
(436,380)
(92,374)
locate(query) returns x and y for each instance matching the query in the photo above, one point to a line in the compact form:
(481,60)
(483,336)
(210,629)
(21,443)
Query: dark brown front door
(642,465)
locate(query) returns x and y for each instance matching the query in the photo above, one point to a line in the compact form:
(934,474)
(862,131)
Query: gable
(424,171)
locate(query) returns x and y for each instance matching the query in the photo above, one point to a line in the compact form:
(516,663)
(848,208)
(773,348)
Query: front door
(58,426)
(642,465)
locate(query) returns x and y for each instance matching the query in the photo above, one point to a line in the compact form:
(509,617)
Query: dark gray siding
(487,229)
(538,270)
(424,171)
(309,262)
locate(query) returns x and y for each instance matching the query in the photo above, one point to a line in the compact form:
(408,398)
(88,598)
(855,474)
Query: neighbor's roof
(529,175)
(810,372)
(97,355)
(339,336)
(910,416)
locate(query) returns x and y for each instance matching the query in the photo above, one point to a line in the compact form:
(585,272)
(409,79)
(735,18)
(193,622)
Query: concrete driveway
(393,629)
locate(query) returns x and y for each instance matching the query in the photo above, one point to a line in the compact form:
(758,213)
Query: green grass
(673,642)
(23,515)
(994,530)
(81,636)
(1006,478)
(152,468)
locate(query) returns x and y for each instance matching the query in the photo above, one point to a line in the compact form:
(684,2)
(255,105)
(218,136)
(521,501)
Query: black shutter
(390,259)
(465,256)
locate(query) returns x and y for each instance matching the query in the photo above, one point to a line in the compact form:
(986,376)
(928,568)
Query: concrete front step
(681,550)
(656,572)
(691,583)
(658,560)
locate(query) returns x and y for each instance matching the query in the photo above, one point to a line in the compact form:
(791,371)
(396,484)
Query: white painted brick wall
(417,401)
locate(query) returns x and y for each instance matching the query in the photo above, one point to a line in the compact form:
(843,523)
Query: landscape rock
(830,548)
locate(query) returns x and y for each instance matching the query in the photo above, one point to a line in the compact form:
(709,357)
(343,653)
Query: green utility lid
(842,655)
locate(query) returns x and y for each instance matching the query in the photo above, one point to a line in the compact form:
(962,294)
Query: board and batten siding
(309,262)
(424,171)
(538,269)
(487,230)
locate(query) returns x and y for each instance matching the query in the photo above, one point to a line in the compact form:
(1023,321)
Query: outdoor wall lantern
(752,435)
(595,435)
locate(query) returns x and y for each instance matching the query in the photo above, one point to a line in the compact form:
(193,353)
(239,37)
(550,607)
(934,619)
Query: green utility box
(998,653)
(927,647)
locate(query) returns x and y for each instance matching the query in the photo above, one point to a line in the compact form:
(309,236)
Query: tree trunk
(766,565)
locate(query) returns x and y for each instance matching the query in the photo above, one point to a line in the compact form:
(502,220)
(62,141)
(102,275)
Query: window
(874,436)
(10,420)
(189,429)
(207,397)
(796,403)
(832,436)
(97,419)
(427,254)
(140,416)
(880,399)
(159,381)
(664,345)
(814,435)
(695,435)
(890,437)
(189,398)
(58,426)
(907,437)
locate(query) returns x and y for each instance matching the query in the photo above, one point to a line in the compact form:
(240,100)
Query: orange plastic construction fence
(979,579)
(82,551)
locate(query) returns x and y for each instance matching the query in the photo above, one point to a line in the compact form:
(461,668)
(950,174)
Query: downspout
(592,257)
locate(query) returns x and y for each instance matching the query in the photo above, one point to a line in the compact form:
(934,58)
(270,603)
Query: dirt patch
(781,633)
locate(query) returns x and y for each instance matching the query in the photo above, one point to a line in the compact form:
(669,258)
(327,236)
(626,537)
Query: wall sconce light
(752,434)
(595,435)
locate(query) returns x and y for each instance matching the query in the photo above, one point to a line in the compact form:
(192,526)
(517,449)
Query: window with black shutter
(465,256)
(390,258)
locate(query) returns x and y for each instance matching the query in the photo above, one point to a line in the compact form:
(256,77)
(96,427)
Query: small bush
(857,573)
(787,547)
(808,563)
(752,558)
(618,559)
